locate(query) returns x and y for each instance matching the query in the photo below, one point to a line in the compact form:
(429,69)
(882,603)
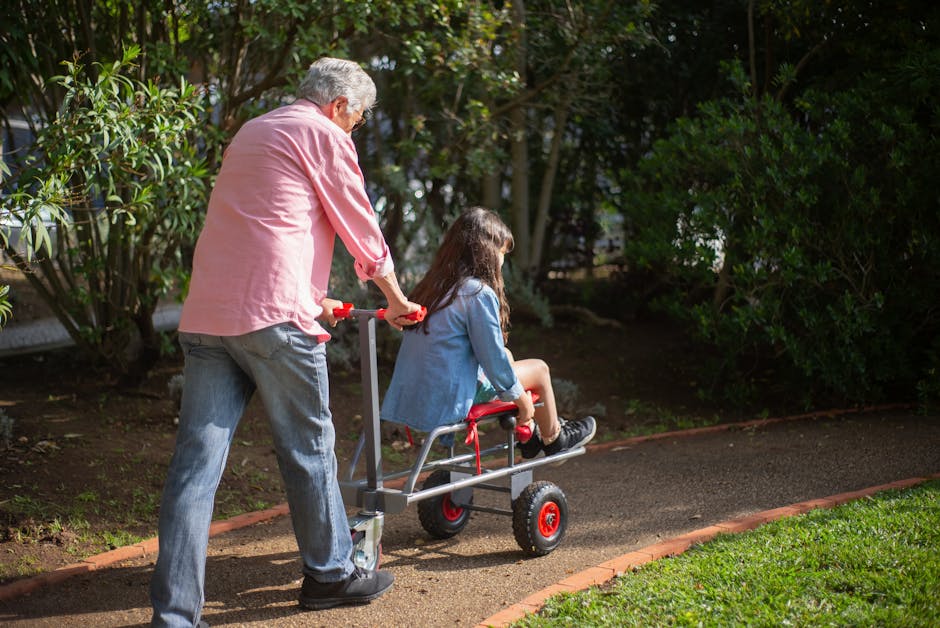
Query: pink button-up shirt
(289,184)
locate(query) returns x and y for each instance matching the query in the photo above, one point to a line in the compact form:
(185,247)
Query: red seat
(489,408)
(480,410)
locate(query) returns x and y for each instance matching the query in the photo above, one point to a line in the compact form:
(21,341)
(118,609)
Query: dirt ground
(82,462)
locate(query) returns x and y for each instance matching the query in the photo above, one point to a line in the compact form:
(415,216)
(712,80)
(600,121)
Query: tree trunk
(548,182)
(521,225)
(144,351)
(492,196)
(519,153)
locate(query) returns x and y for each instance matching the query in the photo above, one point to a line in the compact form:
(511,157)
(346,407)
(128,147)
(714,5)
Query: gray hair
(328,78)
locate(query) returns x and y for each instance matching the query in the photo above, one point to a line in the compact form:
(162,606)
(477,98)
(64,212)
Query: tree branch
(799,67)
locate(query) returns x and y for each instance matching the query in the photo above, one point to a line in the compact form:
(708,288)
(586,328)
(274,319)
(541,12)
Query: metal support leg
(370,418)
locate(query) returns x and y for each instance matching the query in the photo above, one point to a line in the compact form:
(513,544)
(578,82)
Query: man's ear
(340,105)
(335,107)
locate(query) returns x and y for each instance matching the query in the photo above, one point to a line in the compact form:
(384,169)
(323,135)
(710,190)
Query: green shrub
(524,297)
(566,396)
(118,176)
(809,236)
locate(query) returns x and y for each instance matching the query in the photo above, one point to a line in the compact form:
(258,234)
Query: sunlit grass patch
(873,562)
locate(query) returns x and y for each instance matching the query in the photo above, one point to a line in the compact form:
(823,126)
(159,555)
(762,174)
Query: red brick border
(609,569)
(128,552)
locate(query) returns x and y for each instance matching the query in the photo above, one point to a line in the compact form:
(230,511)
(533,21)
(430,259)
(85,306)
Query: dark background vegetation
(763,172)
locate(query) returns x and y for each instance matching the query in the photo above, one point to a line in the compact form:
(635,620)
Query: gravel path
(621,498)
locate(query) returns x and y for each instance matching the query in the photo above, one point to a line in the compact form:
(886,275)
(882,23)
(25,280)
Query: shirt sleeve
(341,189)
(486,338)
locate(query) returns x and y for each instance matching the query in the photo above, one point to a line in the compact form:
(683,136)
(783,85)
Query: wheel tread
(430,513)
(526,509)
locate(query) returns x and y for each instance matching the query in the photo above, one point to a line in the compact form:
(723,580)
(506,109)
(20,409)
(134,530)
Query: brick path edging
(149,546)
(128,552)
(608,570)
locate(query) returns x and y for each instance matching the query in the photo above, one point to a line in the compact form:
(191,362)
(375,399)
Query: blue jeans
(288,369)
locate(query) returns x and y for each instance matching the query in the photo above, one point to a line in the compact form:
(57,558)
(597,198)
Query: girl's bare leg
(534,375)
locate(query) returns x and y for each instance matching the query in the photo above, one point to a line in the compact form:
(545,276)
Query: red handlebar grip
(417,315)
(342,312)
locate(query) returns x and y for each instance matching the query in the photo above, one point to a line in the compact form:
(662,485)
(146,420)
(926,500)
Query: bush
(808,237)
(124,188)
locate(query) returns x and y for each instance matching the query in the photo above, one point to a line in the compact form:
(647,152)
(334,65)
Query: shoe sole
(319,604)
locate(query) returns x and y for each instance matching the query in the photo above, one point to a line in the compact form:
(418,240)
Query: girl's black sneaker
(532,447)
(573,434)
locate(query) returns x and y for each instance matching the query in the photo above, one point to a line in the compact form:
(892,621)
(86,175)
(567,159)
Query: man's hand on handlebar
(328,306)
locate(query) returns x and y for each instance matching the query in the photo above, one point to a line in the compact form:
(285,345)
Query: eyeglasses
(363,118)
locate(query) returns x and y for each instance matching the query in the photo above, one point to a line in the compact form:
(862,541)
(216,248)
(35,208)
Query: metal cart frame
(539,509)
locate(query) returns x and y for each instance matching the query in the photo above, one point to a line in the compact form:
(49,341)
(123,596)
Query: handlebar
(342,312)
(349,309)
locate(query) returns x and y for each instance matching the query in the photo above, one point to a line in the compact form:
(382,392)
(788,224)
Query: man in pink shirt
(289,184)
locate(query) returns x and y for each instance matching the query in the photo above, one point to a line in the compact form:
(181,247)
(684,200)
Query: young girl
(457,356)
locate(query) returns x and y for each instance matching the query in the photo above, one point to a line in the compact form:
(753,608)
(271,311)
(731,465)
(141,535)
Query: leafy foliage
(121,184)
(6,309)
(762,215)
(774,230)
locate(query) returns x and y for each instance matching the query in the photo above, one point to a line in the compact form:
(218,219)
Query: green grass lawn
(872,562)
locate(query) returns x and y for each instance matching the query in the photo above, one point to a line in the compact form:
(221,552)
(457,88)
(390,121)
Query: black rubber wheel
(540,518)
(439,515)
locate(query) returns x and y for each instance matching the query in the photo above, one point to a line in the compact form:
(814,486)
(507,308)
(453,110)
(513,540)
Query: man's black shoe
(360,587)
(573,434)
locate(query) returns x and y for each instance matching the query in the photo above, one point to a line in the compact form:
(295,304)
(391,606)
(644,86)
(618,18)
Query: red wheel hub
(549,519)
(449,510)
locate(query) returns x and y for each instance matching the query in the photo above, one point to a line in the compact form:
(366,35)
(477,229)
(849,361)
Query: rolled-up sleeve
(341,189)
(486,338)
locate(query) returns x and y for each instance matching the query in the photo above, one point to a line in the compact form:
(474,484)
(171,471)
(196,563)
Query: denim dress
(436,373)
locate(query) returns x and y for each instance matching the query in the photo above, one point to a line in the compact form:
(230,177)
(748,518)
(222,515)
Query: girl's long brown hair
(471,248)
